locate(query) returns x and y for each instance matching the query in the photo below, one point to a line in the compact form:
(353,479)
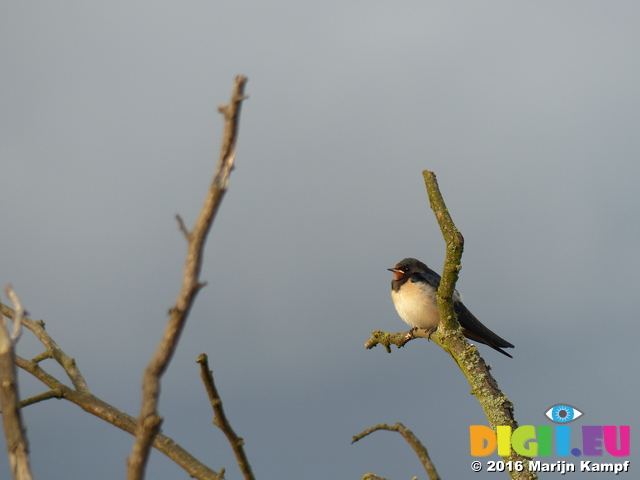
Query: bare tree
(145,428)
(497,407)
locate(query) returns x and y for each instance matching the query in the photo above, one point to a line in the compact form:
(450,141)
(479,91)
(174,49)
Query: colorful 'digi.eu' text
(531,441)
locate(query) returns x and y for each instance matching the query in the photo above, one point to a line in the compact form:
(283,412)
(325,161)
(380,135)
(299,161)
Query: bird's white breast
(416,305)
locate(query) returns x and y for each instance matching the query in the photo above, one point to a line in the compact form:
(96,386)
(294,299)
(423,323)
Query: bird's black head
(408,266)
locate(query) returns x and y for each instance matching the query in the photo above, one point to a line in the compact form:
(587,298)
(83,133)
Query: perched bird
(413,290)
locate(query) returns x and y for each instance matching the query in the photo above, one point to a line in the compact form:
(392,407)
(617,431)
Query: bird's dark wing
(472,327)
(430,277)
(475,330)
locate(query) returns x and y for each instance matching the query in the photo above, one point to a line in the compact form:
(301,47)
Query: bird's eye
(563,413)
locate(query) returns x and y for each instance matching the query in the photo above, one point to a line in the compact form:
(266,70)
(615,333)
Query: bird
(413,291)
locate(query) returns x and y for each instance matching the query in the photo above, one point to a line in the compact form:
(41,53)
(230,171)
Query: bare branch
(67,363)
(415,443)
(108,413)
(14,432)
(149,420)
(93,405)
(221,421)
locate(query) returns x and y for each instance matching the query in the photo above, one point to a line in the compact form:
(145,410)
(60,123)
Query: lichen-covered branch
(373,476)
(497,407)
(220,418)
(387,339)
(455,244)
(149,420)
(411,439)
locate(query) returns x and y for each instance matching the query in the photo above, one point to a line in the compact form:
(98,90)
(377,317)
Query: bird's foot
(411,333)
(430,332)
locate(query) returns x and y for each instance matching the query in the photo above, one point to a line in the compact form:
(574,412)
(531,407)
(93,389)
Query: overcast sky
(528,112)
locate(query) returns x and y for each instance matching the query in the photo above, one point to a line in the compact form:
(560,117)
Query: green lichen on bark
(497,407)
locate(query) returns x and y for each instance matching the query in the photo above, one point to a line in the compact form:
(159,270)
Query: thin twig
(149,420)
(14,432)
(415,443)
(183,228)
(41,398)
(220,419)
(42,356)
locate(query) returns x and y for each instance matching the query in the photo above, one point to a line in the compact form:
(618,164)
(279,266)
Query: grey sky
(529,114)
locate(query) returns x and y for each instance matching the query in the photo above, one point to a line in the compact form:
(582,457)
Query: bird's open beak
(397,273)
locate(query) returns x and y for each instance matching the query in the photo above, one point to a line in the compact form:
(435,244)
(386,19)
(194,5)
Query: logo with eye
(563,413)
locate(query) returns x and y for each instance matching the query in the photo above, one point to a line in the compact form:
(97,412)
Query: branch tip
(202,358)
(220,419)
